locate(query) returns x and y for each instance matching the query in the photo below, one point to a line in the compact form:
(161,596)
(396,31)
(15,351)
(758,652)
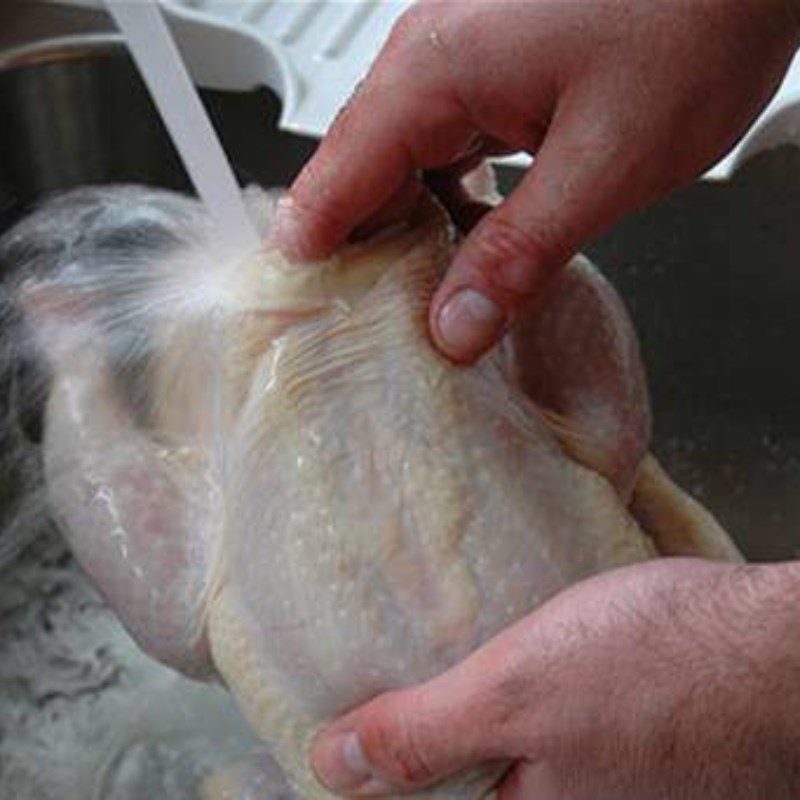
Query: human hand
(621,102)
(673,679)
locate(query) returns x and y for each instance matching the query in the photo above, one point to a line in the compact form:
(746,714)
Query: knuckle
(316,209)
(416,37)
(513,256)
(314,227)
(511,702)
(409,29)
(505,239)
(413,762)
(393,742)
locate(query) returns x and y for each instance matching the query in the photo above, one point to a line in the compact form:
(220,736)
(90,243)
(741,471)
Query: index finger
(405,117)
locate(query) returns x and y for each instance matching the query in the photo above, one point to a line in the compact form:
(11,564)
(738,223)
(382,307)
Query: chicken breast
(276,480)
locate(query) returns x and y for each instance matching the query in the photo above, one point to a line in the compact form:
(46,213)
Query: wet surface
(710,277)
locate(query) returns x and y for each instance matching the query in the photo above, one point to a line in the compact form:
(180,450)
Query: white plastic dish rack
(312,53)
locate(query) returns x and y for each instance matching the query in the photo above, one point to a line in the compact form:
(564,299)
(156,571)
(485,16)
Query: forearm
(679,678)
(754,644)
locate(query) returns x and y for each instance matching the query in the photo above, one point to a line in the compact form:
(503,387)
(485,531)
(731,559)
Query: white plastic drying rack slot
(312,53)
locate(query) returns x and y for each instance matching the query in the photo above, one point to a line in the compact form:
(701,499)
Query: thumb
(416,737)
(576,187)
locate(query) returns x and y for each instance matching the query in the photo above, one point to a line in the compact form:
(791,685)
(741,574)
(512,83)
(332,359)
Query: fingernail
(286,230)
(341,766)
(469,322)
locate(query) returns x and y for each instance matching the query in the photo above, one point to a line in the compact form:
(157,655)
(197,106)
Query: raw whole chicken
(278,483)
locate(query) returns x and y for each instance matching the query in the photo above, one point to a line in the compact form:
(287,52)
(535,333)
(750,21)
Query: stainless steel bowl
(76,113)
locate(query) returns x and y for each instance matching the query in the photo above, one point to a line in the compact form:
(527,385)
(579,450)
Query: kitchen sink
(710,276)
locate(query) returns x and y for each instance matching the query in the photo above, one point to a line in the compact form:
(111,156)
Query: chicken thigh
(276,480)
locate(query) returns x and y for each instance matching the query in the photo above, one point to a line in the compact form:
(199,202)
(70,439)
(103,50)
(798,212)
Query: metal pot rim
(62,48)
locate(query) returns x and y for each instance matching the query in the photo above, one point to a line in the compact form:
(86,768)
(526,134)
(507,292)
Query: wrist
(745,646)
(760,601)
(764,635)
